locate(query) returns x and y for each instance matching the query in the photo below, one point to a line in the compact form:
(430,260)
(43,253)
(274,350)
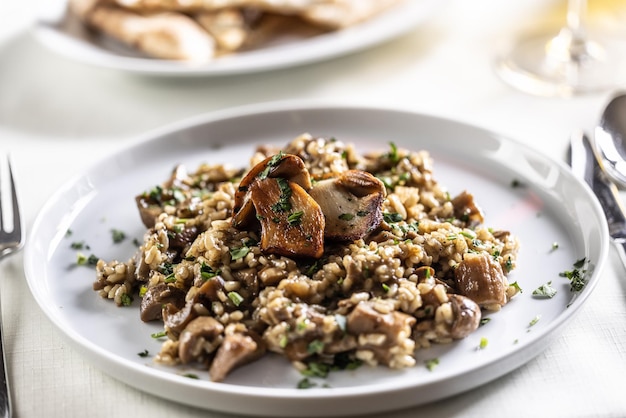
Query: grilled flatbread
(162,35)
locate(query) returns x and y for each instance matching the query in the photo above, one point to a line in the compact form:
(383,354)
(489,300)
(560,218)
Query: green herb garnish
(576,276)
(306,383)
(534,320)
(117,236)
(237,253)
(126,299)
(431,364)
(283,204)
(544,291)
(393,153)
(235,298)
(160,334)
(346,216)
(295,218)
(483,343)
(392,217)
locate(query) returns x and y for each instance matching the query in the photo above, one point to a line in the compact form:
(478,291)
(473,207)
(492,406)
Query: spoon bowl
(610,138)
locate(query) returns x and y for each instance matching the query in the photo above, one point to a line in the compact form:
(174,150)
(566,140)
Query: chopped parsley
(117,236)
(534,320)
(237,253)
(235,298)
(283,204)
(206,272)
(508,265)
(295,218)
(144,353)
(306,383)
(576,276)
(273,162)
(315,346)
(392,217)
(126,299)
(83,260)
(79,245)
(431,364)
(516,286)
(160,334)
(545,291)
(393,153)
(316,369)
(191,375)
(346,216)
(484,321)
(166,268)
(483,343)
(468,234)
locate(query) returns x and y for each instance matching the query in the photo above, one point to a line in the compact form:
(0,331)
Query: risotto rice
(421,274)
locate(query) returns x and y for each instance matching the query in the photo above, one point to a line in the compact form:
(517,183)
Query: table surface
(58,117)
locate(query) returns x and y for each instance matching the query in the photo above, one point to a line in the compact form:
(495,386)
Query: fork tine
(17,219)
(14,233)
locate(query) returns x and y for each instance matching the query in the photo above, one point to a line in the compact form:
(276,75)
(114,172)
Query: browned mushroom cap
(466,209)
(287,166)
(236,350)
(200,330)
(466,316)
(292,223)
(156,297)
(480,278)
(151,206)
(176,319)
(351,203)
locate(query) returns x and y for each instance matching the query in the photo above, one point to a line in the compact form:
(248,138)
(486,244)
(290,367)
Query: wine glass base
(559,65)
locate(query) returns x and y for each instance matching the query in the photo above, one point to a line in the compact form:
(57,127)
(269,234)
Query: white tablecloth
(58,117)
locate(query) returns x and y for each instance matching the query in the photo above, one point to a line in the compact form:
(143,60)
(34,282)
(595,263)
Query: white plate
(65,35)
(552,207)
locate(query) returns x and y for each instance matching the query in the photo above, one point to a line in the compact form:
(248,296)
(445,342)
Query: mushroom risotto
(325,256)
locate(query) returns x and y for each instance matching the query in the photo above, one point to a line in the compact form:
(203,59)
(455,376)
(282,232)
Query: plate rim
(90,349)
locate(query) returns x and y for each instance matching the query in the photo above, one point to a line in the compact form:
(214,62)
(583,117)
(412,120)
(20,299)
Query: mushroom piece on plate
(274,193)
(352,204)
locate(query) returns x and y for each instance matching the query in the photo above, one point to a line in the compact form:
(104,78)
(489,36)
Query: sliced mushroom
(466,209)
(286,166)
(150,204)
(467,316)
(156,297)
(351,203)
(236,350)
(480,278)
(176,319)
(394,326)
(193,339)
(292,223)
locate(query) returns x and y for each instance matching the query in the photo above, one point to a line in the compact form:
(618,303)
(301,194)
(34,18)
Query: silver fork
(11,240)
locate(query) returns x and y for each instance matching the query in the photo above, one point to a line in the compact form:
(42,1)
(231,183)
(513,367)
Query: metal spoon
(610,138)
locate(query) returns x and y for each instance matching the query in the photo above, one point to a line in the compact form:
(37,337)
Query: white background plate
(552,207)
(65,35)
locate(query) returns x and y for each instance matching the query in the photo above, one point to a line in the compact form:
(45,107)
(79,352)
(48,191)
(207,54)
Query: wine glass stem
(576,11)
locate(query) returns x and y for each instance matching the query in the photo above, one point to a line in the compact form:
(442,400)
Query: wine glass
(563,64)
